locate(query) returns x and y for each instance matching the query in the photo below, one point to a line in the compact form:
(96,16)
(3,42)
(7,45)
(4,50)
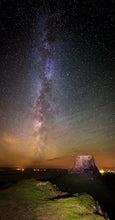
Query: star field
(56,82)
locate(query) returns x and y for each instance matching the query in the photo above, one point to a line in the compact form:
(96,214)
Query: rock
(42,183)
(99,208)
(84,164)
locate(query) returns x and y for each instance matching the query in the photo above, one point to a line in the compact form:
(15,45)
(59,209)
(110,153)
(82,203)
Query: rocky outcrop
(84,164)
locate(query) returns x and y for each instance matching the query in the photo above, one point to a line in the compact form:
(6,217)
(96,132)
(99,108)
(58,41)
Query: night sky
(56,82)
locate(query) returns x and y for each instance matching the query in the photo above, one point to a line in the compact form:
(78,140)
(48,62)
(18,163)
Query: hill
(36,200)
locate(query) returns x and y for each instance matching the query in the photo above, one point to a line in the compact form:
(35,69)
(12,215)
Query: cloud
(9,139)
(55,158)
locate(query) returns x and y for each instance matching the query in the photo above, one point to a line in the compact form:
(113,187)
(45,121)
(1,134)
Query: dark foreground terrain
(32,199)
(23,196)
(101,188)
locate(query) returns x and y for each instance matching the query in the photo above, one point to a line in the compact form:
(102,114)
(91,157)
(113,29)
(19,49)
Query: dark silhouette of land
(101,188)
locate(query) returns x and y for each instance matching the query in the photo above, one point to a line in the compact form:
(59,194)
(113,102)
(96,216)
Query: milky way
(56,82)
(44,104)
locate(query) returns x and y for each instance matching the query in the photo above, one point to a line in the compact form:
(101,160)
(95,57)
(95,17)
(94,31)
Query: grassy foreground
(35,200)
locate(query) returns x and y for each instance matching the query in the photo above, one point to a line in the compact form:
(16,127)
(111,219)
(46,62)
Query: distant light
(110,171)
(22,169)
(18,169)
(101,171)
(36,169)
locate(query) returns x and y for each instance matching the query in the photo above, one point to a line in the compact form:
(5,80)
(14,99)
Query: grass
(31,199)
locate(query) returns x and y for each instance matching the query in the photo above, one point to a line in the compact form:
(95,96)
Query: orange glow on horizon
(102,171)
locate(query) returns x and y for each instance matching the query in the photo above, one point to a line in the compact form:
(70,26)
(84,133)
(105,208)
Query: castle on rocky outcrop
(84,164)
